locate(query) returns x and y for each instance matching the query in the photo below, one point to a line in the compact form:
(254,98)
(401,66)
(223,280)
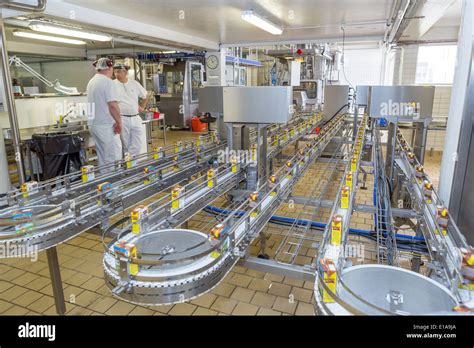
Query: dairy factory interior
(237,157)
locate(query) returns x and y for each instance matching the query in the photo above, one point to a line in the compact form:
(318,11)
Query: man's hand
(141,109)
(117,128)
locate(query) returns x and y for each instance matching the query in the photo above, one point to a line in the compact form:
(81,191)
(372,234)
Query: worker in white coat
(105,123)
(133,99)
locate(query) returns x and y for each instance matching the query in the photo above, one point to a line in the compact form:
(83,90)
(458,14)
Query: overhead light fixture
(262,23)
(68,31)
(31,35)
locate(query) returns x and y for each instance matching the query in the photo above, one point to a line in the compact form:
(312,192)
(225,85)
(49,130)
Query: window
(436,64)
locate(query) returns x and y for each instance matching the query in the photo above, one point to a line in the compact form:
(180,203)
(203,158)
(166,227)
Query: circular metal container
(393,289)
(192,270)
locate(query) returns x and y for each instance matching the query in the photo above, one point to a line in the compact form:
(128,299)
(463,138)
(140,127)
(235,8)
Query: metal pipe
(302,41)
(25,7)
(10,103)
(338,25)
(398,21)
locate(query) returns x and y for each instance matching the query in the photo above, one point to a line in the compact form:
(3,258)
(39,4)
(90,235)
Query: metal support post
(419,144)
(391,144)
(262,163)
(56,283)
(416,259)
(10,103)
(354,126)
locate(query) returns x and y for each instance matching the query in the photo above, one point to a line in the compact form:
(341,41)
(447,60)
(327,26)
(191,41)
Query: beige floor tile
(242,294)
(240,280)
(274,277)
(51,311)
(301,294)
(27,298)
(283,304)
(38,283)
(4,285)
(42,304)
(204,311)
(104,290)
(266,311)
(12,274)
(4,305)
(163,309)
(93,283)
(205,300)
(73,263)
(308,285)
(86,297)
(89,244)
(102,304)
(47,290)
(182,309)
(293,282)
(16,310)
(12,293)
(25,279)
(141,311)
(260,284)
(239,269)
(80,311)
(78,279)
(263,300)
(71,292)
(245,309)
(279,289)
(224,289)
(304,309)
(255,274)
(120,308)
(224,305)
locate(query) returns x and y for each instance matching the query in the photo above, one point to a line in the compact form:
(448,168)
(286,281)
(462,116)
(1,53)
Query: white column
(458,98)
(4,174)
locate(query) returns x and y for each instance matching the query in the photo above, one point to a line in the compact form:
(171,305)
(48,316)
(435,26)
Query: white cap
(103,63)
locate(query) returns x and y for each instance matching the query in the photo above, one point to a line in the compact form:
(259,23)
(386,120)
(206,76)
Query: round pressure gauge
(212,62)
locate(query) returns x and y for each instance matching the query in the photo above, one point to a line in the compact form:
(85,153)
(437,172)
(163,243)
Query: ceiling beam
(306,41)
(430,12)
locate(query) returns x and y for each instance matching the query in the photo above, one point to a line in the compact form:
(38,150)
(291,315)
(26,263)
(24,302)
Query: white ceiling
(220,20)
(436,20)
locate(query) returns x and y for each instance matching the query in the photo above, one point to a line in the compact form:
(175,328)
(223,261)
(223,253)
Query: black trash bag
(58,153)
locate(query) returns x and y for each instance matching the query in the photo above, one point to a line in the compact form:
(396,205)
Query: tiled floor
(25,287)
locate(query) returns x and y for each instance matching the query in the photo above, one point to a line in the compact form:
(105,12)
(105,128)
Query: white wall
(70,74)
(406,58)
(362,66)
(39,112)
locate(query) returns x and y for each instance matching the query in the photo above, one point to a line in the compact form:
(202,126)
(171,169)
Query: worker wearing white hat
(106,123)
(132,100)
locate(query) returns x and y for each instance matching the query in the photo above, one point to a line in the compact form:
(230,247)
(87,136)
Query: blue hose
(315,224)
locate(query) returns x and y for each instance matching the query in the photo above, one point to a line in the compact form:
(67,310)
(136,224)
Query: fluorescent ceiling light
(68,31)
(262,23)
(36,36)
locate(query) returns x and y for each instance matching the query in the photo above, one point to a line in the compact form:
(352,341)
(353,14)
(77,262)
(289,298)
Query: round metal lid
(395,290)
(172,245)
